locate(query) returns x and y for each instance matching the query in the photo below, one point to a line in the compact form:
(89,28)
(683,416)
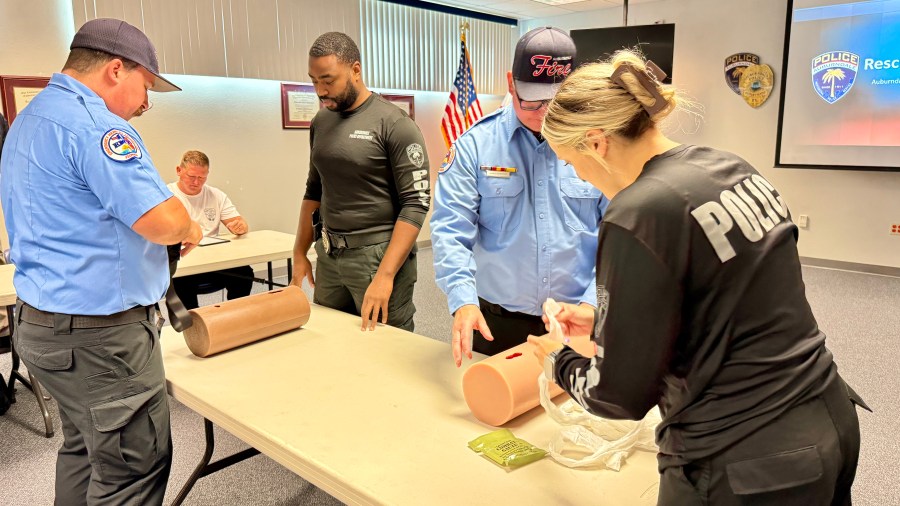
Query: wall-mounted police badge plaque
(756,84)
(833,74)
(735,66)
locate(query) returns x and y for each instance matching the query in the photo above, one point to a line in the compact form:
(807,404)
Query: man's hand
(465,320)
(302,269)
(574,320)
(194,237)
(376,299)
(237,226)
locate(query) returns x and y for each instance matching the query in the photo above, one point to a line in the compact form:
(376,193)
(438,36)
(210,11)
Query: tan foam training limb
(502,387)
(237,322)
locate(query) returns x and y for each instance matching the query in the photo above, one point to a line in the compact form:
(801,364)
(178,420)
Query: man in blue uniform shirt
(88,217)
(512,224)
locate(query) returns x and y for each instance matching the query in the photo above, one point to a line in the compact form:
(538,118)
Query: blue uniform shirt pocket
(582,201)
(499,198)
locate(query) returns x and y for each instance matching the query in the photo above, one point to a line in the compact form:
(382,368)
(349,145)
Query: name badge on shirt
(494,171)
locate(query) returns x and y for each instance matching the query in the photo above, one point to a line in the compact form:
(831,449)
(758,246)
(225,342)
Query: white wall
(850,212)
(237,122)
(262,167)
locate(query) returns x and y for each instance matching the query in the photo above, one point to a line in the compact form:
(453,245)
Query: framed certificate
(17,91)
(299,103)
(405,102)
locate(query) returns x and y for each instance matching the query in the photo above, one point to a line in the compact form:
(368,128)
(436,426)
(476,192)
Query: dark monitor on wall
(657,42)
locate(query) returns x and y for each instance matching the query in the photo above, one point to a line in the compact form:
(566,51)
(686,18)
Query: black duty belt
(499,310)
(136,314)
(333,241)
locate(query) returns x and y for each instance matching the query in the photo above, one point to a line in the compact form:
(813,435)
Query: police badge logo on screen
(833,74)
(120,146)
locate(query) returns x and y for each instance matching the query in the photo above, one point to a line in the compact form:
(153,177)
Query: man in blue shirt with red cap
(505,203)
(88,219)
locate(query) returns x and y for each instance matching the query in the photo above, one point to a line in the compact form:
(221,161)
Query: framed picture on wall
(405,102)
(17,91)
(299,103)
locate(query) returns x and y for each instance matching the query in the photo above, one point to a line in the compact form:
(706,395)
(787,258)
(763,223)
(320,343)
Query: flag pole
(463,28)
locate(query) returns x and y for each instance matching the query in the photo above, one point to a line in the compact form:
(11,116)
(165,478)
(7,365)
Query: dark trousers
(109,384)
(237,282)
(343,277)
(807,456)
(508,328)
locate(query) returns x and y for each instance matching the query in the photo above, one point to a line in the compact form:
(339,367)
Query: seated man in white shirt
(209,207)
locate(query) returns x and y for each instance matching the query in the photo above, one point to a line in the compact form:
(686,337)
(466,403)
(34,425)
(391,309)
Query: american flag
(463,108)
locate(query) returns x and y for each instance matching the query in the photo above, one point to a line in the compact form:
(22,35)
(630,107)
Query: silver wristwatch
(550,365)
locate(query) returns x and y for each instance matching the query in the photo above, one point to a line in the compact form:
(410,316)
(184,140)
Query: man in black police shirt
(368,175)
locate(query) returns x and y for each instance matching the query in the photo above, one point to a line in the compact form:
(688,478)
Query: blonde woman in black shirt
(702,309)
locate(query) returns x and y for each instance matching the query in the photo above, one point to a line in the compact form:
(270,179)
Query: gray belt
(136,314)
(335,241)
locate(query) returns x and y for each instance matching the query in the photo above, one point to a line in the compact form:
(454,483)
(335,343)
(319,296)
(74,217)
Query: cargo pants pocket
(126,441)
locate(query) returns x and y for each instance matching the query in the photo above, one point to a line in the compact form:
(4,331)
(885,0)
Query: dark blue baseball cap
(118,38)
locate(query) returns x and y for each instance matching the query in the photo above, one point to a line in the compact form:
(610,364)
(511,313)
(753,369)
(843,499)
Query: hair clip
(652,69)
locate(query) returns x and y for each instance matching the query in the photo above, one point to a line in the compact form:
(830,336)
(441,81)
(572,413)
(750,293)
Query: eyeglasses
(531,105)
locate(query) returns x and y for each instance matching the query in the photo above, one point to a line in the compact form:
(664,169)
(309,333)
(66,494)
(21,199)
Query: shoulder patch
(448,160)
(416,154)
(120,146)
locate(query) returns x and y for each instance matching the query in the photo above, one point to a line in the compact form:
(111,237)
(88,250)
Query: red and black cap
(543,58)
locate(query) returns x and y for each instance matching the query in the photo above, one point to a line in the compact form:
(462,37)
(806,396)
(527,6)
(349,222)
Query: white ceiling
(530,9)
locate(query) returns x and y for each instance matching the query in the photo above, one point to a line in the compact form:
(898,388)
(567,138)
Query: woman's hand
(575,320)
(543,346)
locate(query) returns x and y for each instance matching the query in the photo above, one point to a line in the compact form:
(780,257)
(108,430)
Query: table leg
(271,281)
(30,383)
(204,468)
(290,268)
(15,357)
(48,422)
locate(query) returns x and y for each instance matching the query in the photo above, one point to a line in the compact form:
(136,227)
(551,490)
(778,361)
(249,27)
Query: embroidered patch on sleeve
(120,146)
(448,160)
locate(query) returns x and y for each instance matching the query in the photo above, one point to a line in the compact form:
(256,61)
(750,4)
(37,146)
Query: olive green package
(505,449)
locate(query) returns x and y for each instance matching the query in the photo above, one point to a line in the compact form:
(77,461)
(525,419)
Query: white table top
(256,246)
(7,290)
(379,418)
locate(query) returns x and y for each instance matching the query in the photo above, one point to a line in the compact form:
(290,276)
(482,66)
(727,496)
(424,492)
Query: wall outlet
(803,221)
(895,229)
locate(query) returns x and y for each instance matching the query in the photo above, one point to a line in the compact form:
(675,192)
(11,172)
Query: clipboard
(209,241)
